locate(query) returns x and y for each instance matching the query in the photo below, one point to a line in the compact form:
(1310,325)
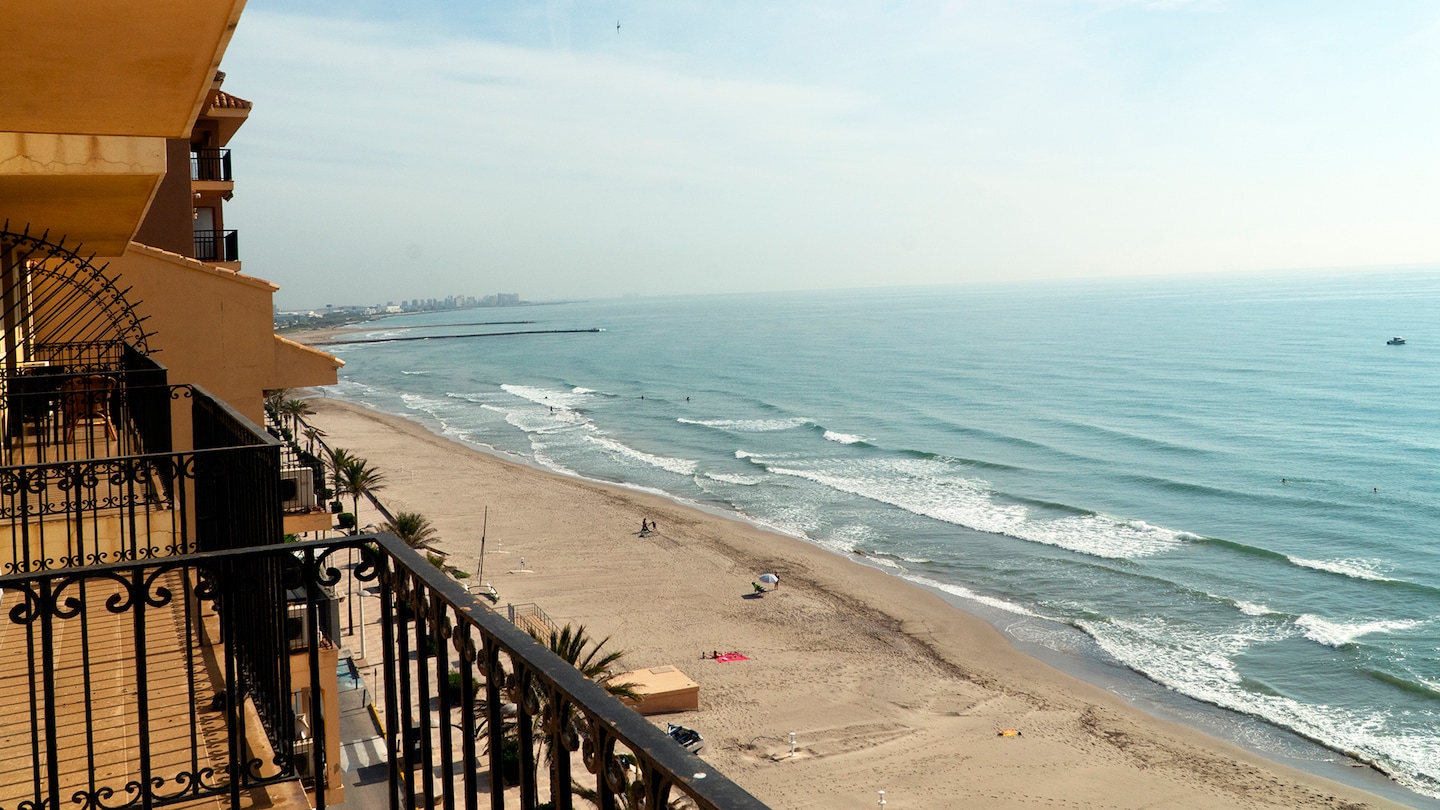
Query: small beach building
(662,690)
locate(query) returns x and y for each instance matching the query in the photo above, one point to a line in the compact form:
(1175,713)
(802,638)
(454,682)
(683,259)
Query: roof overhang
(90,189)
(228,120)
(111,67)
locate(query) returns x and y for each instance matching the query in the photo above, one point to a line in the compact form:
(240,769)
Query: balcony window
(210,164)
(217,246)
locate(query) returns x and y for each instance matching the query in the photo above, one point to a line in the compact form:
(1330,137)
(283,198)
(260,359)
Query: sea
(1217,496)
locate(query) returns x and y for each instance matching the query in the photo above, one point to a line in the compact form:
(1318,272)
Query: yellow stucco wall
(89,188)
(215,328)
(300,679)
(98,66)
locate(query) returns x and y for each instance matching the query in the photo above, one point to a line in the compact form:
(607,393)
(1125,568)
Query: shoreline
(915,642)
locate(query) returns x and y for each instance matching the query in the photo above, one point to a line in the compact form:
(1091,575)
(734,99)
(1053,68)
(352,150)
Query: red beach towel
(726,658)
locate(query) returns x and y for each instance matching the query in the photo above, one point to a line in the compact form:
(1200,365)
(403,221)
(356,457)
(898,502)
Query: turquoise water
(1102,458)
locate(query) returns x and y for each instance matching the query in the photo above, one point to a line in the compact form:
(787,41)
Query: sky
(431,148)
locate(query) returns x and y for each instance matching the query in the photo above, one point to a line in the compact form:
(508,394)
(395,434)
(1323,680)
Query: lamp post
(361,599)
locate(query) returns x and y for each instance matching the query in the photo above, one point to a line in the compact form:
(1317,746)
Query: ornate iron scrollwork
(80,290)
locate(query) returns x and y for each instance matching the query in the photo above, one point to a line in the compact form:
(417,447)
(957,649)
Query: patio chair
(86,399)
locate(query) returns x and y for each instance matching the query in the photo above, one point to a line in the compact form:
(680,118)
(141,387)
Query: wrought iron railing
(88,357)
(111,507)
(117,398)
(448,739)
(294,460)
(145,402)
(217,246)
(207,163)
(145,684)
(56,417)
(432,628)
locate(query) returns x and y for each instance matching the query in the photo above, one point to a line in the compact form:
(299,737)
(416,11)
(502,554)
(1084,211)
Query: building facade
(136,357)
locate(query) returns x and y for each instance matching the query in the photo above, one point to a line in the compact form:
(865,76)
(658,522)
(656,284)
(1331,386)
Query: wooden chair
(86,399)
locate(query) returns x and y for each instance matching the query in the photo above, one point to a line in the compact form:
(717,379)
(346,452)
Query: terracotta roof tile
(225,101)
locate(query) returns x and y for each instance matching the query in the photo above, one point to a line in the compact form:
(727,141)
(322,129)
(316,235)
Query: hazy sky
(420,149)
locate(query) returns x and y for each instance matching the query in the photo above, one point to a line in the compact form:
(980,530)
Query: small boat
(688,738)
(1395,341)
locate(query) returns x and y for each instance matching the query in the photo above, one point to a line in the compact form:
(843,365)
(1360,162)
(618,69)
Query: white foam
(1253,609)
(1358,568)
(856,535)
(402,371)
(539,422)
(547,397)
(578,390)
(969,595)
(742,480)
(1200,659)
(843,438)
(1338,634)
(679,466)
(545,460)
(749,425)
(932,489)
(421,401)
(1199,664)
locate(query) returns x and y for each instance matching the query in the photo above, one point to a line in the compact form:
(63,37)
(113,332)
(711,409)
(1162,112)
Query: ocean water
(1230,486)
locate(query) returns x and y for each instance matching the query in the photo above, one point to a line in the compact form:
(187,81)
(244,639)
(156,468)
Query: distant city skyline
(755,147)
(428,304)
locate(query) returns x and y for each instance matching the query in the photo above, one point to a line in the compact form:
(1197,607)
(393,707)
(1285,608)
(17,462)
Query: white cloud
(1001,146)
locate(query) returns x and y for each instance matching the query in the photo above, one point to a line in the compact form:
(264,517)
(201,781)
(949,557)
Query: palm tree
(581,651)
(578,649)
(413,528)
(274,399)
(337,458)
(311,434)
(355,478)
(295,409)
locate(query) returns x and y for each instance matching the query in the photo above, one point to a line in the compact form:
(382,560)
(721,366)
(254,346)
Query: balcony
(168,681)
(163,647)
(210,165)
(217,246)
(83,400)
(90,475)
(304,491)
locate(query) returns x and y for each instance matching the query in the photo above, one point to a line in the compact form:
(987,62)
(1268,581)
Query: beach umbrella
(770,579)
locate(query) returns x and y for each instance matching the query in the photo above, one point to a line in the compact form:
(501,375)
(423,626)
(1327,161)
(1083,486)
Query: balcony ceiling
(111,67)
(94,190)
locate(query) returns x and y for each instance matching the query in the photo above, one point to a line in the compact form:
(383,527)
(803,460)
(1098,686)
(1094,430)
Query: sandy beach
(885,685)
